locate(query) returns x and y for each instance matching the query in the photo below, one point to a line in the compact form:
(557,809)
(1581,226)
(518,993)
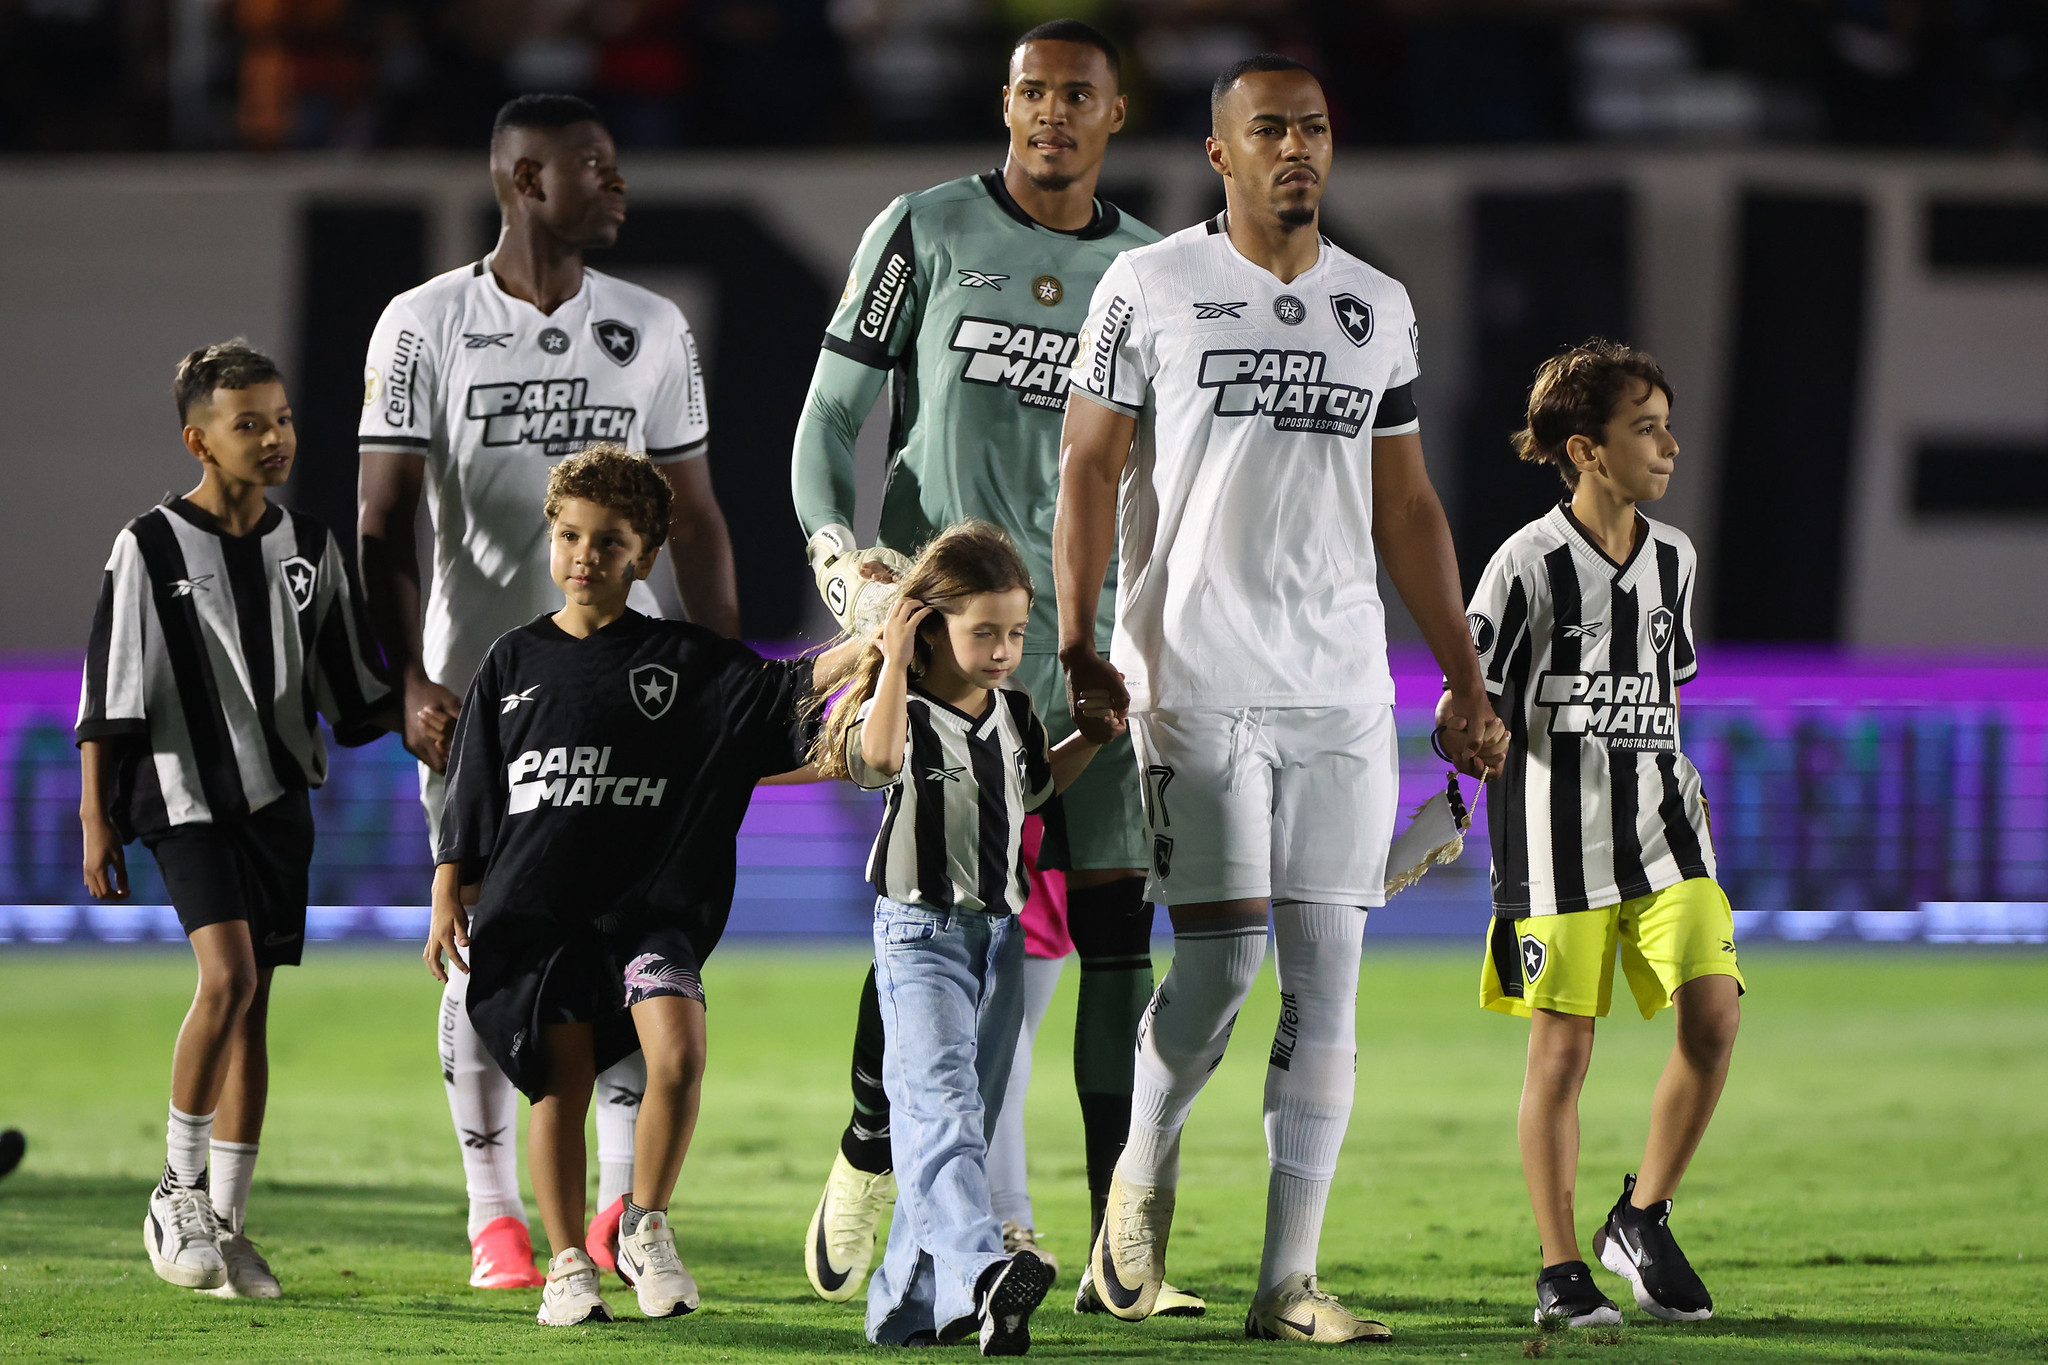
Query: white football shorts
(1287,802)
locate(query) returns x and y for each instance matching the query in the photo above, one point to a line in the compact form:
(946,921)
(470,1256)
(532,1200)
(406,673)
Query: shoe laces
(661,1255)
(579,1278)
(1322,1298)
(241,1254)
(192,1217)
(1134,1226)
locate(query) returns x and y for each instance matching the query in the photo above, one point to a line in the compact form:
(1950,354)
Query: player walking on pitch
(1258,383)
(478,381)
(1583,621)
(968,296)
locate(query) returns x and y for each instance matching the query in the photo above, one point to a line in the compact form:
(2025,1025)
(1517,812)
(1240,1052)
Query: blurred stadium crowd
(139,75)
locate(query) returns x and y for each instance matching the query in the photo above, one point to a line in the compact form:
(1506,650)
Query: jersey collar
(1219,226)
(1105,221)
(205,521)
(1578,532)
(482,269)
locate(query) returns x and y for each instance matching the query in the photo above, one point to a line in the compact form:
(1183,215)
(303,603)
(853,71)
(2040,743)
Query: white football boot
(1295,1310)
(249,1275)
(1171,1303)
(647,1260)
(840,1244)
(1128,1261)
(570,1295)
(183,1238)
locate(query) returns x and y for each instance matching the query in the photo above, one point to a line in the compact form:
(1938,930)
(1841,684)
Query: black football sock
(866,1140)
(1111,926)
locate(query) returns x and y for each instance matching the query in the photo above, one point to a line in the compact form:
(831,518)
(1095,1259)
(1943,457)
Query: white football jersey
(493,392)
(1247,572)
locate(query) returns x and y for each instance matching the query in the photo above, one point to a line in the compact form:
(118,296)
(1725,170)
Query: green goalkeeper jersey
(971,307)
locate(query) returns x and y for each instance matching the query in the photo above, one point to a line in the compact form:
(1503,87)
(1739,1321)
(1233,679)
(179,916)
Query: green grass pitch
(1872,1190)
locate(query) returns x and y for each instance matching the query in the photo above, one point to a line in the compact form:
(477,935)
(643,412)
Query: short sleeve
(111,695)
(397,377)
(1115,360)
(1498,617)
(475,801)
(879,310)
(865,776)
(1035,757)
(1685,661)
(679,424)
(1397,414)
(349,682)
(767,702)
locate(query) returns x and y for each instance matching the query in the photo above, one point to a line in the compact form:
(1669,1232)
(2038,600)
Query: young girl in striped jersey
(963,758)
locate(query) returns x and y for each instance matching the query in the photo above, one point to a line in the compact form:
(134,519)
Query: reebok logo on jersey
(1286,386)
(944,774)
(574,777)
(1627,710)
(478,341)
(1587,630)
(1205,312)
(549,412)
(517,699)
(185,587)
(405,357)
(981,279)
(1033,361)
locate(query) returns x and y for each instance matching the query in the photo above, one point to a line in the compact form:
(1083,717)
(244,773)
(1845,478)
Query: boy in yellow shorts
(1600,840)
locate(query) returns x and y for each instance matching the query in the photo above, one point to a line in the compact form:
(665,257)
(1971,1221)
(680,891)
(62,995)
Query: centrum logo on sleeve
(574,777)
(556,413)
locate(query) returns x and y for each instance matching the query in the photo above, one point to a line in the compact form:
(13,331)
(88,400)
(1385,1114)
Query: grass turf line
(1871,1189)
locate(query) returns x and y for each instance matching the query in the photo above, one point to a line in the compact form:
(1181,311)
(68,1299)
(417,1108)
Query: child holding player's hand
(599,773)
(928,718)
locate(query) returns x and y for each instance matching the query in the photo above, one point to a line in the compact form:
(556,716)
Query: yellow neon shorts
(1566,962)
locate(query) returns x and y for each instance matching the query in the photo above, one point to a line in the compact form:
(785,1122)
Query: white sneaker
(570,1295)
(249,1275)
(647,1260)
(183,1238)
(1017,1237)
(1171,1303)
(840,1244)
(1128,1260)
(1295,1310)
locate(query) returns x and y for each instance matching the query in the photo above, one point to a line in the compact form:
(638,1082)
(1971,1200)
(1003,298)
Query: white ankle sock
(1311,1076)
(185,1139)
(234,1164)
(485,1108)
(1183,1036)
(619,1091)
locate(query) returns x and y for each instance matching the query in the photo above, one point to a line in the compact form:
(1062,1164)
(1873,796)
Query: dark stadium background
(1828,217)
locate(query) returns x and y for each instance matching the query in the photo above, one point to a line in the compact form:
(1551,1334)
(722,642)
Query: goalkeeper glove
(858,603)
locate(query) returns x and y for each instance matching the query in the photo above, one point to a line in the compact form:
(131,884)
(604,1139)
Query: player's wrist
(828,544)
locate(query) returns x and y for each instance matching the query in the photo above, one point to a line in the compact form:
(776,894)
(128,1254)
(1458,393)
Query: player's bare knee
(1708,1020)
(227,988)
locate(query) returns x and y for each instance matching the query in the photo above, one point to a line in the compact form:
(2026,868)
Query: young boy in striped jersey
(963,757)
(225,623)
(1583,624)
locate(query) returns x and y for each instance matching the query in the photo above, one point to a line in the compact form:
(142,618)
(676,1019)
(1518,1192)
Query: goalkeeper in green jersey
(965,300)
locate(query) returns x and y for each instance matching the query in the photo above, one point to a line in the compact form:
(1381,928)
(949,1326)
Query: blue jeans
(951,984)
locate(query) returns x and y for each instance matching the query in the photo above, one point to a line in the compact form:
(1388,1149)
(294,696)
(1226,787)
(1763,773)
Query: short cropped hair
(1074,31)
(226,365)
(617,480)
(1246,66)
(543,110)
(1576,393)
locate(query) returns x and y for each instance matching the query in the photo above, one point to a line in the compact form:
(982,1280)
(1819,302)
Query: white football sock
(234,1164)
(1185,1030)
(485,1108)
(1009,1187)
(618,1108)
(1311,1076)
(185,1139)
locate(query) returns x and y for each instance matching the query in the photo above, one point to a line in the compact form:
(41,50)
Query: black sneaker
(1637,1245)
(1566,1296)
(1004,1300)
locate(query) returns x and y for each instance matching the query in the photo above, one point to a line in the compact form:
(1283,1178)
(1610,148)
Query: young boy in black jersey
(1583,624)
(598,776)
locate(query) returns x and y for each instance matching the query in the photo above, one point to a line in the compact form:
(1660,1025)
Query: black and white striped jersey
(952,835)
(1584,656)
(211,657)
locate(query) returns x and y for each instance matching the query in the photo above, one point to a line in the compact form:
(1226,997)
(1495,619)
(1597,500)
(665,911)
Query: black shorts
(253,869)
(609,973)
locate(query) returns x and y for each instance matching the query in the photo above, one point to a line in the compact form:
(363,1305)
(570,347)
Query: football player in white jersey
(478,381)
(1249,387)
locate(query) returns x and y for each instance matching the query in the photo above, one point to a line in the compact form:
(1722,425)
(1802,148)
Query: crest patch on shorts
(1533,958)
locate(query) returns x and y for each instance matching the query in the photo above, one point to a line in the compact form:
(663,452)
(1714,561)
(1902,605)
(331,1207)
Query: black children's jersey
(1584,657)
